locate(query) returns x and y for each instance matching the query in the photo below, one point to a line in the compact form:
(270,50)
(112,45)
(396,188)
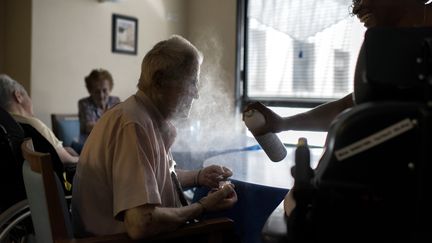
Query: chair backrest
(13,132)
(41,144)
(372,181)
(397,64)
(45,196)
(11,184)
(66,127)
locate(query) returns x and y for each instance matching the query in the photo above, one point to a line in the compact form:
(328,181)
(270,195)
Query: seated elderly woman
(99,84)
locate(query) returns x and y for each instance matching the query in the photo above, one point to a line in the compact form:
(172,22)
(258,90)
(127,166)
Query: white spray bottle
(269,142)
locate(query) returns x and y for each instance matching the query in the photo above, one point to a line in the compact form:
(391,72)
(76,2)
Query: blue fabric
(77,146)
(255,204)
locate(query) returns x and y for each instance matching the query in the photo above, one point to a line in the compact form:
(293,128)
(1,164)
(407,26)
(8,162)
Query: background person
(99,84)
(15,99)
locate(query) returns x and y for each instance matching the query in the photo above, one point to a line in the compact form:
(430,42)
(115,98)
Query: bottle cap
(302,141)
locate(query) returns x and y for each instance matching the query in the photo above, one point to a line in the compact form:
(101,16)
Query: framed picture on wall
(124,34)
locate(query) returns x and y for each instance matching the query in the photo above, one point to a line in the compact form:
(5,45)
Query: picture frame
(124,34)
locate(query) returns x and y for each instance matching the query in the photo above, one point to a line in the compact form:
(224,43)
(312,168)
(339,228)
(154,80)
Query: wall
(69,38)
(15,40)
(211,26)
(60,41)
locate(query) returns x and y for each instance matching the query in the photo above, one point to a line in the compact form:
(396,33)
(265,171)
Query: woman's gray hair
(174,59)
(7,88)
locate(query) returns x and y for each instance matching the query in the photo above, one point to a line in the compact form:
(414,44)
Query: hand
(289,203)
(221,199)
(211,175)
(71,151)
(274,122)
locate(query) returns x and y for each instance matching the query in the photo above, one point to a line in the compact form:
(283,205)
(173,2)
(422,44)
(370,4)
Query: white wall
(211,26)
(71,37)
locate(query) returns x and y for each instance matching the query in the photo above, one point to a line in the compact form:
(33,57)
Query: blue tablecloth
(254,206)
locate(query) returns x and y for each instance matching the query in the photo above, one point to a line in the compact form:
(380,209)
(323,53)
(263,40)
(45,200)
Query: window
(297,52)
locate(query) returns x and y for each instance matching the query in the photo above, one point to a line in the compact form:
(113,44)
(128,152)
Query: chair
(371,181)
(66,127)
(11,183)
(51,217)
(15,224)
(41,144)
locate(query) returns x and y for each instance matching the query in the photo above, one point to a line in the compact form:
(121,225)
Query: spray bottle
(269,142)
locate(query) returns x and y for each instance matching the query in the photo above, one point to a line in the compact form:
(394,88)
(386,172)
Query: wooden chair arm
(116,238)
(203,227)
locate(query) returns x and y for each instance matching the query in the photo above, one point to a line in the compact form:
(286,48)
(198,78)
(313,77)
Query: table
(254,167)
(260,184)
(190,151)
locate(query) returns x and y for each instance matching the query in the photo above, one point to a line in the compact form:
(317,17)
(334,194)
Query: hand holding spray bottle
(269,142)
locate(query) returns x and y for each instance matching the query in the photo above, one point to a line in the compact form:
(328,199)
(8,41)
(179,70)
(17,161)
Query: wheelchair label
(375,139)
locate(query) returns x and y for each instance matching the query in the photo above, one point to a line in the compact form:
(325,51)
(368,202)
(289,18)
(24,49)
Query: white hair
(7,88)
(172,60)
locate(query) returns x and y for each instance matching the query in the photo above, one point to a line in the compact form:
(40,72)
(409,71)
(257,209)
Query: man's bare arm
(148,220)
(209,176)
(65,156)
(319,118)
(187,177)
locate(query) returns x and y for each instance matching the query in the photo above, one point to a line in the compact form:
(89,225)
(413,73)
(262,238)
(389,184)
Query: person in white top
(15,99)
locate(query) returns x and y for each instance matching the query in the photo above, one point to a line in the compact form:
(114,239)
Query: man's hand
(221,199)
(210,176)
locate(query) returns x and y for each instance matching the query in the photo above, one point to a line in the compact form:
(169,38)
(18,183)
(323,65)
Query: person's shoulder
(32,121)
(84,100)
(132,110)
(114,99)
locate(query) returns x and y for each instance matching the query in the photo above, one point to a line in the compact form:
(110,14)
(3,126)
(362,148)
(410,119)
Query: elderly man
(126,179)
(15,100)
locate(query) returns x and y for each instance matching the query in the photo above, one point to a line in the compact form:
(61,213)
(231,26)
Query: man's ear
(18,96)
(158,79)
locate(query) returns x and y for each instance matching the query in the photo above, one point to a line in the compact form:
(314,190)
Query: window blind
(300,49)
